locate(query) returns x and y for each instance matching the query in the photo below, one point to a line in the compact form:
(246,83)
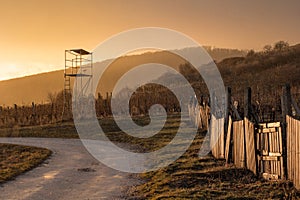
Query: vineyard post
(286,110)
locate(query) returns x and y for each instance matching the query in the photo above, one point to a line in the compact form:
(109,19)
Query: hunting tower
(79,67)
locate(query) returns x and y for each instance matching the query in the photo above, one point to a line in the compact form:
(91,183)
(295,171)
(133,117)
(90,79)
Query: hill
(265,72)
(23,91)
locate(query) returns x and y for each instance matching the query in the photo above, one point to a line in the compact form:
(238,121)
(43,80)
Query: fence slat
(293,150)
(228,139)
(239,144)
(250,146)
(217,137)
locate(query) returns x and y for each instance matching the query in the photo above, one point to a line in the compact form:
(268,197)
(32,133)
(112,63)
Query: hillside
(23,91)
(264,72)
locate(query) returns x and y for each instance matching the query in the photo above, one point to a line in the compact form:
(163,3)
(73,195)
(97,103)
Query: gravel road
(70,173)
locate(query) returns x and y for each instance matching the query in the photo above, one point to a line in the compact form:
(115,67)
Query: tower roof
(80,51)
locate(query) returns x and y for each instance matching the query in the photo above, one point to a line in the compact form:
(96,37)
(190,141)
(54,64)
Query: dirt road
(70,173)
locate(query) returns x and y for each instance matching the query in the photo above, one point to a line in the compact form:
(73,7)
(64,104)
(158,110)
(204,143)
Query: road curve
(70,173)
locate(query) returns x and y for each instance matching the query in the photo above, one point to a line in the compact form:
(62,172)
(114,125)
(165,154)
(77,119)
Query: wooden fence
(199,115)
(293,150)
(46,113)
(270,150)
(258,148)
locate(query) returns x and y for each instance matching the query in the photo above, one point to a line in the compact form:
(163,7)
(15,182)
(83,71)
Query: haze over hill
(35,88)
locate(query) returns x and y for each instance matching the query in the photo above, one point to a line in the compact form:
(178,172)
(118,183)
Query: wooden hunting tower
(79,67)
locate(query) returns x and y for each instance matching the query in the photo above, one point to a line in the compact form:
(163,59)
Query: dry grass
(62,130)
(16,159)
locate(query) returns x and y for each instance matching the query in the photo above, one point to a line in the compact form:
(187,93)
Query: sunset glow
(34,33)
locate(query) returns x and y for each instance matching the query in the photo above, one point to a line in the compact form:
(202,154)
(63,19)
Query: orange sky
(35,33)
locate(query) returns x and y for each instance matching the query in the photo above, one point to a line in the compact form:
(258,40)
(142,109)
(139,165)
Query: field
(190,177)
(16,159)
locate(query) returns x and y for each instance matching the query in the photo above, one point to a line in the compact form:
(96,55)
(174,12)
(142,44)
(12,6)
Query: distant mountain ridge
(35,88)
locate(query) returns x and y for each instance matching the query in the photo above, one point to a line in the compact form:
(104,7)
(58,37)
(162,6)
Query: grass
(68,130)
(17,159)
(63,130)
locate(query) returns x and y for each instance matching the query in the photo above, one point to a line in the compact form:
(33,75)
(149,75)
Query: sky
(35,33)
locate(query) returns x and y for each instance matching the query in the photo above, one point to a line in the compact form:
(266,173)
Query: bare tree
(52,97)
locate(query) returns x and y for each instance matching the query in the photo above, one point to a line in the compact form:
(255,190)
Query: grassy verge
(16,159)
(59,130)
(68,130)
(62,130)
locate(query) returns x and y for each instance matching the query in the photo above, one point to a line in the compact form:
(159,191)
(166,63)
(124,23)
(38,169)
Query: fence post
(247,102)
(286,110)
(16,114)
(228,99)
(286,101)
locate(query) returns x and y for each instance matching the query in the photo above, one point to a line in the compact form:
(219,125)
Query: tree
(251,53)
(52,97)
(267,48)
(281,45)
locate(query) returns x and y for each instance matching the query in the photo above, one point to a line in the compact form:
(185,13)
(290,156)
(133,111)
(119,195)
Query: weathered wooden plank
(266,153)
(270,158)
(270,135)
(280,150)
(274,154)
(221,138)
(228,139)
(274,149)
(289,162)
(297,160)
(217,137)
(293,150)
(273,124)
(250,146)
(277,164)
(269,176)
(239,144)
(262,125)
(267,130)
